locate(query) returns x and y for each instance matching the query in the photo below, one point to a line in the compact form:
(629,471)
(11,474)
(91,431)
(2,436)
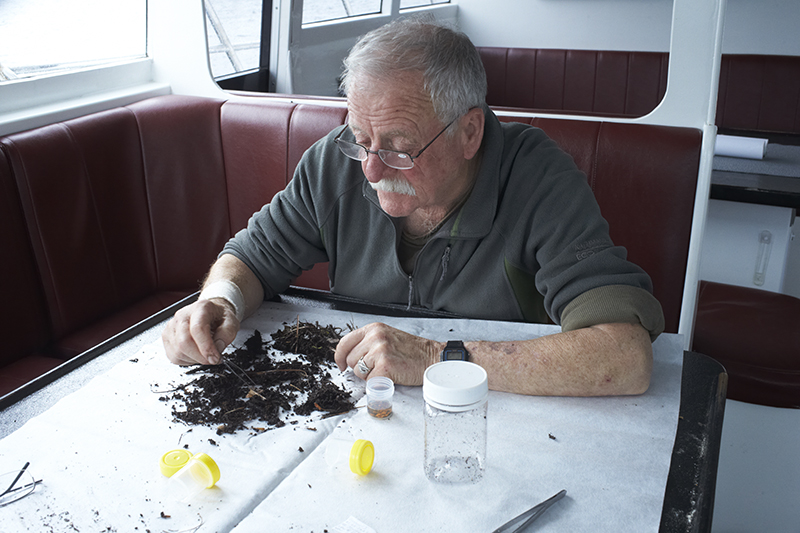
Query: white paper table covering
(611,454)
(97,451)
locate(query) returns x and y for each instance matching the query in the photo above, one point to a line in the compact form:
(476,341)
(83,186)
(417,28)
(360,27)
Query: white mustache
(396,185)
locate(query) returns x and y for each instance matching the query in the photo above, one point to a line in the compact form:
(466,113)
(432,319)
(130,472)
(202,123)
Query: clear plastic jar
(455,411)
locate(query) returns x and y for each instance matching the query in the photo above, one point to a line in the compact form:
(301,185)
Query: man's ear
(471,128)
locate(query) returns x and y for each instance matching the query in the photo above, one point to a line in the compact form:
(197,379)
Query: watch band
(455,351)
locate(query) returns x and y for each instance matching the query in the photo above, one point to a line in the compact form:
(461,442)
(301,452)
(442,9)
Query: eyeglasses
(21,484)
(392,158)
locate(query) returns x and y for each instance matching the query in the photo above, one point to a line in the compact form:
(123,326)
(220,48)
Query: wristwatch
(455,351)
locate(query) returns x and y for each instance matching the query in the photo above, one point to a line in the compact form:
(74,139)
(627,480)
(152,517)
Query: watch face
(453,355)
(455,351)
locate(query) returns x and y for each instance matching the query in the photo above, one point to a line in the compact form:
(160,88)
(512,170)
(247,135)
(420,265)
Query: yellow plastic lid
(213,469)
(362,454)
(173,460)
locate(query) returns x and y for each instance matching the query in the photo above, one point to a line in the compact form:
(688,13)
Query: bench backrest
(613,83)
(757,93)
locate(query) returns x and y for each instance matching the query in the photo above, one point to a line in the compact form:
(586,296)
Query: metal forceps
(238,372)
(519,523)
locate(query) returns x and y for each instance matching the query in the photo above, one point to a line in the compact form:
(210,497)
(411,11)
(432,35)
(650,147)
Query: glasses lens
(398,160)
(21,488)
(352,150)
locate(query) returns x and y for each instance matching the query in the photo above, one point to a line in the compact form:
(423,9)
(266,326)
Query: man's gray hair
(450,64)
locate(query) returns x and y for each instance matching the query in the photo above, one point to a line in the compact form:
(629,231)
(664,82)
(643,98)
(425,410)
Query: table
(96,446)
(774,180)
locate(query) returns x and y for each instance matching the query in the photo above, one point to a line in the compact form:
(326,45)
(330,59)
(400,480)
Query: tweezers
(234,368)
(519,523)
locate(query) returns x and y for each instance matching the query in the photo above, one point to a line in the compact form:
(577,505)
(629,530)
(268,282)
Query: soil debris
(254,386)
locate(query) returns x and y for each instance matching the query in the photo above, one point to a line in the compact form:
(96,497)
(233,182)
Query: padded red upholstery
(644,179)
(254,143)
(24,316)
(21,371)
(125,210)
(186,190)
(82,191)
(755,335)
(264,136)
(575,81)
(757,93)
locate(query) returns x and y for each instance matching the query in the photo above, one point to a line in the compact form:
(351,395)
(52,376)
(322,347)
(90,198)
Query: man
(457,212)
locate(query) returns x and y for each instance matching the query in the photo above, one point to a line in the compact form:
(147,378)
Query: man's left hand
(387,351)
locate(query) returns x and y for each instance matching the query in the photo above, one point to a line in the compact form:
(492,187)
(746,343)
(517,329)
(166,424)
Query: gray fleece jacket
(529,244)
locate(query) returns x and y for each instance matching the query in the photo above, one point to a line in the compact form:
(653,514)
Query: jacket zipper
(445,262)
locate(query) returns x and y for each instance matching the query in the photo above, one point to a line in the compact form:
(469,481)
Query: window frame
(28,103)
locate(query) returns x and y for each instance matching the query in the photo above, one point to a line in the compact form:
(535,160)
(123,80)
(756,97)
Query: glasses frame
(381,153)
(15,493)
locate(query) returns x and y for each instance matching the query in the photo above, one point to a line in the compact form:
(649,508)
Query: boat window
(43,37)
(325,10)
(234,35)
(408,4)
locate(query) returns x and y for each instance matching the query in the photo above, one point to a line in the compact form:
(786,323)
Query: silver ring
(362,367)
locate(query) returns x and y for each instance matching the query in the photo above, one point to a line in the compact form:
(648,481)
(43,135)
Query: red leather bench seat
(576,81)
(757,93)
(23,315)
(755,335)
(112,217)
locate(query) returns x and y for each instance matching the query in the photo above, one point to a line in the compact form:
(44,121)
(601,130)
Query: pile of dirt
(250,386)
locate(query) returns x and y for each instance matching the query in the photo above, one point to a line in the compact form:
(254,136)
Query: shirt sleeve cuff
(614,304)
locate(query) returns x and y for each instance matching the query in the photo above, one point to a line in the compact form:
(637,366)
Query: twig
(339,413)
(297,334)
(254,393)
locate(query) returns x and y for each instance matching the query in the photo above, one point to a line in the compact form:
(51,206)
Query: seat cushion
(83,339)
(25,369)
(755,335)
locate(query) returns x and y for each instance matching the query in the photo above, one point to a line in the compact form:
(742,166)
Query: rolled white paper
(746,147)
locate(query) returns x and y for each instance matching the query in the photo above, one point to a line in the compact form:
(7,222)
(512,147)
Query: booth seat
(111,217)
(755,335)
(757,93)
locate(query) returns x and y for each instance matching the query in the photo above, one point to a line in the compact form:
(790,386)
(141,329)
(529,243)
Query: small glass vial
(379,397)
(455,409)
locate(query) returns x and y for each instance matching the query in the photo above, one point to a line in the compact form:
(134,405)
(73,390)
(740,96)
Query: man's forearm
(602,360)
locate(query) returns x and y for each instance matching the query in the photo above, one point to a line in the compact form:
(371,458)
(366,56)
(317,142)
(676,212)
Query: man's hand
(199,332)
(389,352)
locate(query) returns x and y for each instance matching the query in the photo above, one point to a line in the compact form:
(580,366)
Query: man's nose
(374,168)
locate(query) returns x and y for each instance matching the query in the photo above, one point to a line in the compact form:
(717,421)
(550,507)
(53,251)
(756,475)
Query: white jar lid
(455,385)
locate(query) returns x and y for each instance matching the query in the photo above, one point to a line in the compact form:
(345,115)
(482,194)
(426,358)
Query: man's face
(397,115)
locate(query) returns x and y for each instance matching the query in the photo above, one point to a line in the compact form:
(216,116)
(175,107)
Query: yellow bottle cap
(213,469)
(173,460)
(361,456)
